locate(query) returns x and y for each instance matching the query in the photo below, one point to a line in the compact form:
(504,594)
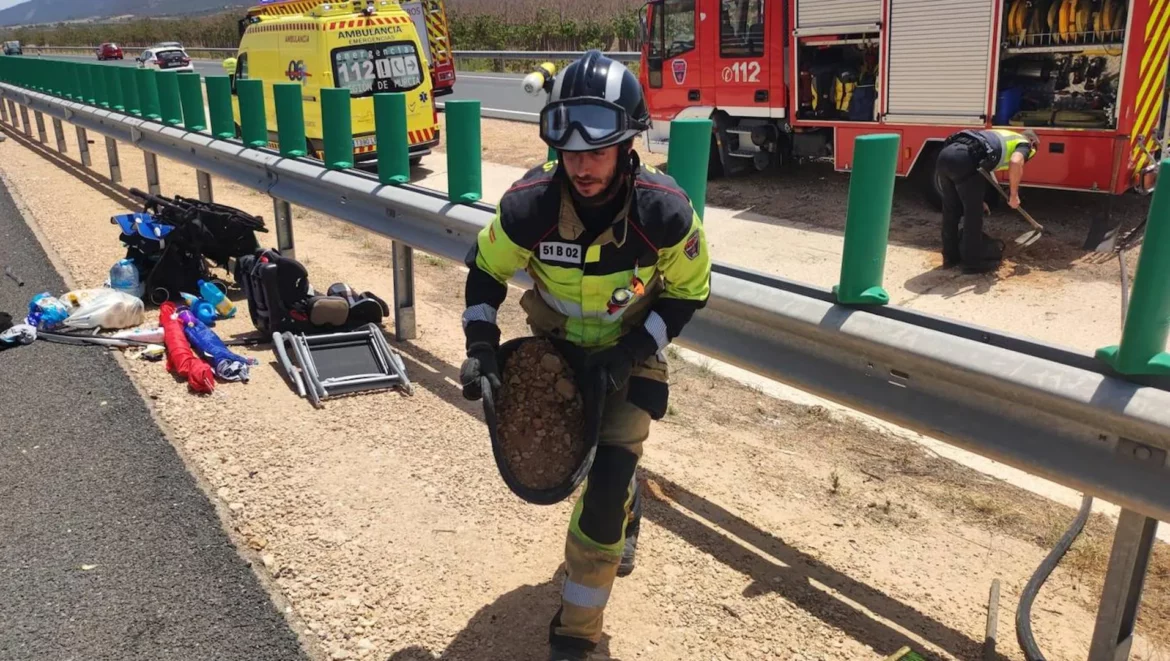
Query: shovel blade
(1028,238)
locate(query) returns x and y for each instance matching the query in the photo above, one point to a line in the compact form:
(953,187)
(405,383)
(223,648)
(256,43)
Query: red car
(109,51)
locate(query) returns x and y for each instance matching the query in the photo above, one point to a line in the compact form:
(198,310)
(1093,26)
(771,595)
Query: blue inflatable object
(227,365)
(142,224)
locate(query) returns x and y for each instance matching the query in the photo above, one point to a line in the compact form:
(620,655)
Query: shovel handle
(995,184)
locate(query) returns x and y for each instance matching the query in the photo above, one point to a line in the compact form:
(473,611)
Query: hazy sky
(5,4)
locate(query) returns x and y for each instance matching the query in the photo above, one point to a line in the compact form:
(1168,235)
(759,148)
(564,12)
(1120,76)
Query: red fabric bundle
(180,359)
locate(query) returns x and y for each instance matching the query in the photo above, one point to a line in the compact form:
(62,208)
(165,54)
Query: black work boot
(626,566)
(556,653)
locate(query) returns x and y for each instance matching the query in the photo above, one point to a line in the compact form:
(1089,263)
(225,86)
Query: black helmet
(595,103)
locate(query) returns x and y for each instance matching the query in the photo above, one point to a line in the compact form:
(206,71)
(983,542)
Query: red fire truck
(801,79)
(430,20)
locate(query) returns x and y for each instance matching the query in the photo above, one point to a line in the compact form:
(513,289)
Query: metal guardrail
(1049,411)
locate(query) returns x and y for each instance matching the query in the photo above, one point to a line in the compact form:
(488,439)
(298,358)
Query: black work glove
(480,363)
(619,360)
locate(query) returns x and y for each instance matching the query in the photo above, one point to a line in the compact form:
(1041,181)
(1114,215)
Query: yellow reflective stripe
(687,278)
(498,255)
(593,254)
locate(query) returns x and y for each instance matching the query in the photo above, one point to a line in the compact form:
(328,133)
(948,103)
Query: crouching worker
(964,187)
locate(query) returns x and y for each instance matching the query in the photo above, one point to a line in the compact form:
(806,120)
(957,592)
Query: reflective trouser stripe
(584,596)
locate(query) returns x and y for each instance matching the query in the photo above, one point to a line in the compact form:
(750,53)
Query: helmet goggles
(599,123)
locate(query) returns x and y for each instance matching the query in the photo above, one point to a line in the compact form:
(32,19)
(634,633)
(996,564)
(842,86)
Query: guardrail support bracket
(403,264)
(4,113)
(151,162)
(112,157)
(1132,544)
(26,123)
(282,211)
(206,193)
(59,133)
(41,135)
(83,146)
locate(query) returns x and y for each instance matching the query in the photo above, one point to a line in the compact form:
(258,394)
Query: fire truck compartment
(1061,63)
(939,61)
(818,17)
(838,78)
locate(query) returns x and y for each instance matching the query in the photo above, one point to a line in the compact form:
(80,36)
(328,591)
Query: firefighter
(620,264)
(963,190)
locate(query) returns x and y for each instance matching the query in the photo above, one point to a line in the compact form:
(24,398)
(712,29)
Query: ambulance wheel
(415,161)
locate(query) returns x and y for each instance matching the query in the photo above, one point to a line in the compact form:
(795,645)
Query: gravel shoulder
(774,530)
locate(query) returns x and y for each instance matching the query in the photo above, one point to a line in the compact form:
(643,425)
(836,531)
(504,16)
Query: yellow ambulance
(367,46)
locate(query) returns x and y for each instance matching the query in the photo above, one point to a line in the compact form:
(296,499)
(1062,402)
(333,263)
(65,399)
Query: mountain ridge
(54,11)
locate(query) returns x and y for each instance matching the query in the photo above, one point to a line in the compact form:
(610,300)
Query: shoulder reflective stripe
(584,596)
(593,254)
(657,329)
(481,312)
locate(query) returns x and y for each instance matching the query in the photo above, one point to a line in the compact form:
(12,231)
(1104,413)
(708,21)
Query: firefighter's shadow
(774,566)
(952,282)
(514,627)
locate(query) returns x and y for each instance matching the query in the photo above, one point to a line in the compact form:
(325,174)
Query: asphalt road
(500,95)
(108,550)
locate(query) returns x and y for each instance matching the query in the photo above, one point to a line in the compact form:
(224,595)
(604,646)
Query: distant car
(109,51)
(165,58)
(13,48)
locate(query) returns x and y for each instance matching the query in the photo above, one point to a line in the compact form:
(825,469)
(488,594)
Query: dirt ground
(774,530)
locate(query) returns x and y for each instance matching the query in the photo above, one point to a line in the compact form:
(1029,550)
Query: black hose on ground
(1028,596)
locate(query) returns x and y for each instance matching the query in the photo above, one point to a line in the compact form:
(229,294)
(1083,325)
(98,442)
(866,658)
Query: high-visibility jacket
(993,148)
(650,267)
(1004,143)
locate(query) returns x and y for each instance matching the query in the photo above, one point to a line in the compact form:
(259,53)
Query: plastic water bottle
(124,278)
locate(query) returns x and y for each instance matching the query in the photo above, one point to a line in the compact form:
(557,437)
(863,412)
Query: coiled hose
(1028,596)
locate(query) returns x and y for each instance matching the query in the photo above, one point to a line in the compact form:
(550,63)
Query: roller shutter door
(940,51)
(837,16)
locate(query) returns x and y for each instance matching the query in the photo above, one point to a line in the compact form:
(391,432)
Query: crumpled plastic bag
(103,308)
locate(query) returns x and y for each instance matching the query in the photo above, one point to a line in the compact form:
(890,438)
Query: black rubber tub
(592,389)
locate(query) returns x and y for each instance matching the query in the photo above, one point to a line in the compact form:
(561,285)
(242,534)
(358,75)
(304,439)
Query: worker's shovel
(1027,238)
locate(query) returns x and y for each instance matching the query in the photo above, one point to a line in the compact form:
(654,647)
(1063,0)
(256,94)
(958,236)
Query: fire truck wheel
(926,178)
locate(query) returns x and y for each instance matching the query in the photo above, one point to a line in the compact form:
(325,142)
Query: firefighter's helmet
(595,103)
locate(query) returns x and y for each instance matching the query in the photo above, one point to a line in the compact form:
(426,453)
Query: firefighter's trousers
(598,525)
(963,190)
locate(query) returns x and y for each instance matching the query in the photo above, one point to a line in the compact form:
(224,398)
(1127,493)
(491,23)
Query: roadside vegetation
(475,25)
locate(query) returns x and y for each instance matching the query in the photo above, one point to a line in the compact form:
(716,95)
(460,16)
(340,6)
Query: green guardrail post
(148,93)
(1147,322)
(219,106)
(338,128)
(867,220)
(80,93)
(114,88)
(191,96)
(130,91)
(290,119)
(101,94)
(253,121)
(464,154)
(169,103)
(393,143)
(687,158)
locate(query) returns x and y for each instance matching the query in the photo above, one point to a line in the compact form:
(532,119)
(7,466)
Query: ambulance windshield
(373,68)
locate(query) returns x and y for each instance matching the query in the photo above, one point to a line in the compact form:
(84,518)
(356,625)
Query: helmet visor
(595,120)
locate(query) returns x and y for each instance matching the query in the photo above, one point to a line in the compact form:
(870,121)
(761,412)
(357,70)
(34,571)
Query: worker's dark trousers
(962,198)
